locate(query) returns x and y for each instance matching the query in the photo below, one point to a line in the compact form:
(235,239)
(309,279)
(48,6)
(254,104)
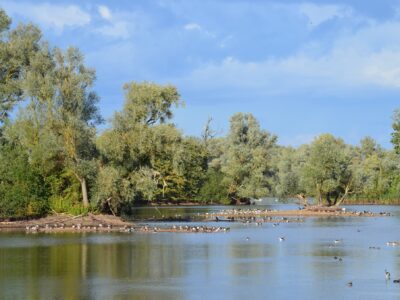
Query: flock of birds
(206,229)
(108,227)
(338,241)
(387,278)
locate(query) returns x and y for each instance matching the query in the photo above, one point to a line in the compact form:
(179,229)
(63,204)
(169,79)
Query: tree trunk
(346,191)
(85,199)
(336,199)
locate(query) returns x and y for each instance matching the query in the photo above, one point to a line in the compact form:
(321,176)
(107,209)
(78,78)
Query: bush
(213,190)
(23,191)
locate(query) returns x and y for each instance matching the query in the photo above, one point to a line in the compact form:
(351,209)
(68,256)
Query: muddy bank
(64,221)
(97,223)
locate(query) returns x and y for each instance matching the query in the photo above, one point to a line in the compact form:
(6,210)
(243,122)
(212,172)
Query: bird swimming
(282,239)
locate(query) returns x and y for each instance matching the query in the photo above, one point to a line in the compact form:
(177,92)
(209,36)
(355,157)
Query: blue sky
(302,68)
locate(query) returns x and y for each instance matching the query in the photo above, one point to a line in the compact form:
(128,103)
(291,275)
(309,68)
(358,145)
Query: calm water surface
(247,262)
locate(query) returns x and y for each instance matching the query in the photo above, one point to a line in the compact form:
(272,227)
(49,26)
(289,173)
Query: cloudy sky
(302,68)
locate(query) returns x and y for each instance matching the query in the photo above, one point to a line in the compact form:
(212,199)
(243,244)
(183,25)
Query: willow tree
(140,147)
(246,161)
(288,163)
(17,48)
(327,171)
(396,131)
(63,109)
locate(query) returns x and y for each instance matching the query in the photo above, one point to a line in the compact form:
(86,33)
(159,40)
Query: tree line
(53,159)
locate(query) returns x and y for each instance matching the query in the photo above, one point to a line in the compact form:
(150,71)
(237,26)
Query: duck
(396,281)
(282,239)
(350,284)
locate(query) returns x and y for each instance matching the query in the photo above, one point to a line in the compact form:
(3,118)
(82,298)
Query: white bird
(282,239)
(387,275)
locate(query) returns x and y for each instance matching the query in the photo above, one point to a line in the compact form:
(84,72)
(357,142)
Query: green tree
(59,120)
(326,173)
(246,161)
(288,164)
(396,131)
(17,48)
(23,191)
(142,149)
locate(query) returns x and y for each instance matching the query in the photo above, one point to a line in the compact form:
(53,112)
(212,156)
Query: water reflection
(207,266)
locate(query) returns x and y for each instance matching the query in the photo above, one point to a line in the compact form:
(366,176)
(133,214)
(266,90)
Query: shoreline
(110,223)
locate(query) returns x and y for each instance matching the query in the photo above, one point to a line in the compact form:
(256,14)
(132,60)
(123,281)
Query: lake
(249,261)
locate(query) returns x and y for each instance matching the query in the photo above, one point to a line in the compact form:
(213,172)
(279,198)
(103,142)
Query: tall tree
(245,162)
(63,109)
(326,173)
(142,148)
(17,48)
(396,131)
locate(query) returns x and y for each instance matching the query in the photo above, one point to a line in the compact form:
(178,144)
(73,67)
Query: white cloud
(225,41)
(49,15)
(104,12)
(119,29)
(192,26)
(318,14)
(369,56)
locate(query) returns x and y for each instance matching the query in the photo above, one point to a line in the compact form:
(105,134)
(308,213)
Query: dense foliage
(53,159)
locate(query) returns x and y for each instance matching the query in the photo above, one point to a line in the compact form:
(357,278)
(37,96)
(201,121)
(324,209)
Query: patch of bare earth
(64,222)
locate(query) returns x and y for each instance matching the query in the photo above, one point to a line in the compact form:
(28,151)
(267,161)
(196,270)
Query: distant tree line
(52,159)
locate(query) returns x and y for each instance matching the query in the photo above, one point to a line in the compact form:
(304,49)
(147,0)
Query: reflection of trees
(69,271)
(325,265)
(249,260)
